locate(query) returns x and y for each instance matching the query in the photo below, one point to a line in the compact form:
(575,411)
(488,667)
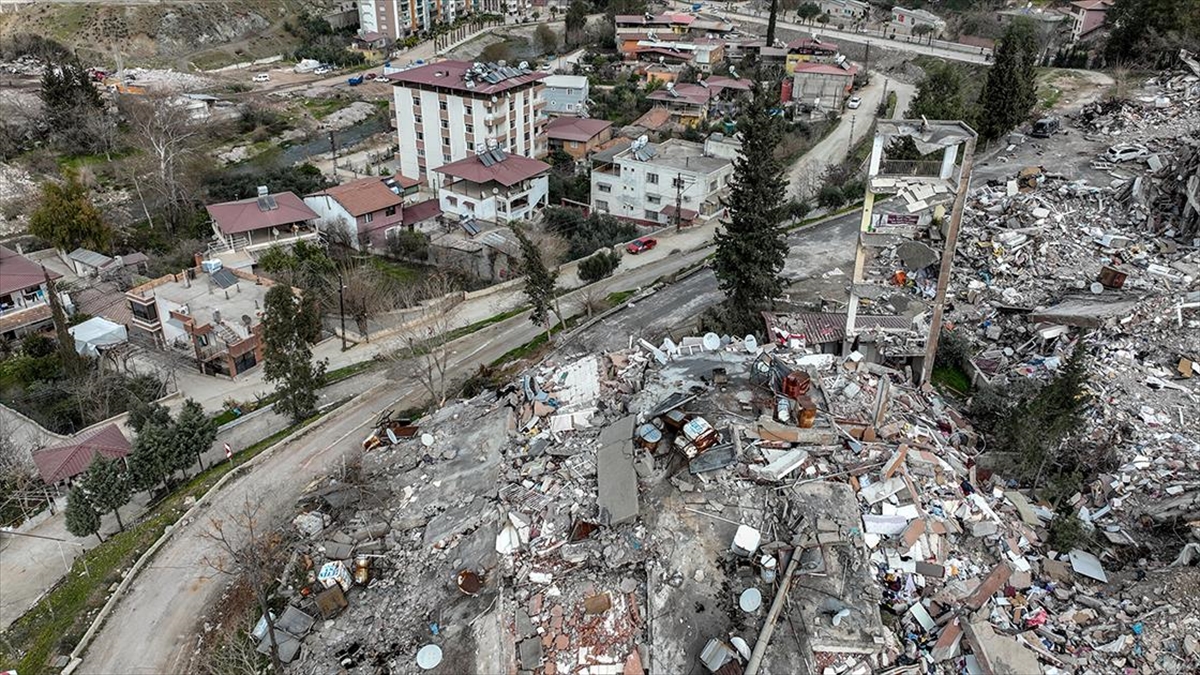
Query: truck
(306,66)
(355,81)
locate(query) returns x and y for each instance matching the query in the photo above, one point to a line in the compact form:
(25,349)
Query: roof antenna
(924,123)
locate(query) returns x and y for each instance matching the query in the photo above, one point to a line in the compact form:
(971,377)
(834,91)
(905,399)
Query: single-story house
(255,224)
(63,462)
(822,85)
(576,136)
(362,211)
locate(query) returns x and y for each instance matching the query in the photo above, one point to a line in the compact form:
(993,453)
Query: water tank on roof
(210,266)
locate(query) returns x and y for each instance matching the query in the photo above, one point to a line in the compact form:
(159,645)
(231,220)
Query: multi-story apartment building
(397,19)
(645,181)
(451,110)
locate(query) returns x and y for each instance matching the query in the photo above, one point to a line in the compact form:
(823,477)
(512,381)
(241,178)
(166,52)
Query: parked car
(854,102)
(1045,127)
(355,81)
(322,70)
(262,77)
(1126,152)
(642,244)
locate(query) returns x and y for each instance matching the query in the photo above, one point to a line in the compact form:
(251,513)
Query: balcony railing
(910,167)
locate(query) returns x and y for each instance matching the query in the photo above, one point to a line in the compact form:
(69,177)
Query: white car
(323,70)
(854,102)
(1126,152)
(262,77)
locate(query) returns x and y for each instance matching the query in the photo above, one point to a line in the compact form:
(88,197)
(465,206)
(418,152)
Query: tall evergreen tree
(195,431)
(287,332)
(576,22)
(751,246)
(66,218)
(1010,91)
(151,460)
(771,23)
(540,282)
(72,362)
(70,101)
(1151,32)
(148,413)
(82,518)
(108,487)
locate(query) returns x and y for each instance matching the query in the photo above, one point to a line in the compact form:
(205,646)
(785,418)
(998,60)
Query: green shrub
(599,266)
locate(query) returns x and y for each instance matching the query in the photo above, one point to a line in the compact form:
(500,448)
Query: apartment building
(24,304)
(566,94)
(493,187)
(398,19)
(450,110)
(644,181)
(1087,17)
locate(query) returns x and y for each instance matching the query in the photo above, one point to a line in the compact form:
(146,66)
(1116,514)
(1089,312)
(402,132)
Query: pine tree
(751,247)
(287,331)
(148,413)
(70,101)
(195,431)
(939,94)
(1011,90)
(540,282)
(108,487)
(81,516)
(771,23)
(151,460)
(72,362)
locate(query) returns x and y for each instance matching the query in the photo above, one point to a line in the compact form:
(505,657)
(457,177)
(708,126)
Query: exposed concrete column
(948,156)
(876,156)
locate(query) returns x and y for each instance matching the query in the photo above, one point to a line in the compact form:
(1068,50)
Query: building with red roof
(493,186)
(63,462)
(24,306)
(822,85)
(449,110)
(577,136)
(362,211)
(255,224)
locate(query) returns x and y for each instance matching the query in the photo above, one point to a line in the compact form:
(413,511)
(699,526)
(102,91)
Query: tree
(148,413)
(409,244)
(1151,32)
(73,364)
(923,29)
(81,516)
(66,218)
(751,247)
(252,549)
(546,39)
(366,293)
(540,282)
(599,266)
(1010,91)
(807,12)
(939,94)
(195,431)
(167,136)
(152,458)
(107,486)
(69,100)
(288,331)
(771,23)
(831,197)
(426,353)
(576,21)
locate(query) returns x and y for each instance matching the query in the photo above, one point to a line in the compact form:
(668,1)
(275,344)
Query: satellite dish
(750,600)
(427,440)
(711,341)
(751,343)
(429,657)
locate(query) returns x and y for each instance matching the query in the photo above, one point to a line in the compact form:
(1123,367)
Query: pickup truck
(355,81)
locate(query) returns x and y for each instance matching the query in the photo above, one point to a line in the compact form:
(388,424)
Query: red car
(644,244)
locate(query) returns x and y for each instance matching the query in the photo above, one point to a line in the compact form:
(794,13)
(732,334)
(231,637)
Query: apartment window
(712,186)
(677,182)
(651,215)
(653,199)
(417,118)
(442,105)
(601,205)
(470,146)
(446,156)
(604,187)
(445,124)
(369,217)
(652,178)
(147,313)
(420,152)
(202,340)
(470,128)
(420,136)
(452,201)
(389,211)
(445,140)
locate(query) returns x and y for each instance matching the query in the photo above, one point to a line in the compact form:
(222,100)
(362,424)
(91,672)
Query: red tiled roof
(690,93)
(718,82)
(825,69)
(512,170)
(1093,5)
(244,215)
(654,119)
(449,75)
(18,272)
(664,51)
(422,211)
(66,461)
(363,196)
(575,128)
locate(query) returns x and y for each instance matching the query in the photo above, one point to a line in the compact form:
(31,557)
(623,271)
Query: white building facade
(645,181)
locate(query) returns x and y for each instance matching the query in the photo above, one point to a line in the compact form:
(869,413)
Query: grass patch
(76,162)
(535,345)
(952,378)
(320,108)
(617,297)
(400,272)
(57,623)
(480,325)
(346,372)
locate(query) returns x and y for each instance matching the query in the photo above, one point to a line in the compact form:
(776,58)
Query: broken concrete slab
(781,466)
(997,654)
(617,483)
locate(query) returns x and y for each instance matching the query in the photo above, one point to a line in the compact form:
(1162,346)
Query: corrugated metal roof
(90,258)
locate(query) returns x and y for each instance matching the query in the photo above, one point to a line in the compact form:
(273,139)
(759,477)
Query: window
(653,199)
(417,118)
(470,146)
(420,152)
(601,205)
(368,217)
(604,187)
(445,140)
(420,136)
(442,105)
(452,201)
(470,128)
(712,186)
(677,182)
(445,124)
(148,313)
(651,215)
(652,178)
(446,156)
(389,211)
(202,340)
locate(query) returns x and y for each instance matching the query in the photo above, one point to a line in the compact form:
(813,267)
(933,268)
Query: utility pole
(333,152)
(342,303)
(678,202)
(867,60)
(850,145)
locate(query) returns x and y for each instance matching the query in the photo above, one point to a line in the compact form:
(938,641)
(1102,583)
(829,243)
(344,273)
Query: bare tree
(366,293)
(167,135)
(593,299)
(251,549)
(425,354)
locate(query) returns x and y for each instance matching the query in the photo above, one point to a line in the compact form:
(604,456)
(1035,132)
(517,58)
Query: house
(210,314)
(905,21)
(576,136)
(631,28)
(423,216)
(368,40)
(487,252)
(848,11)
(640,180)
(810,50)
(566,94)
(1088,16)
(822,85)
(255,224)
(361,211)
(692,104)
(449,110)
(88,263)
(64,462)
(494,187)
(24,307)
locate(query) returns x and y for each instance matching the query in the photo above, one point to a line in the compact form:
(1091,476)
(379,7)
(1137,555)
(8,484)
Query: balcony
(910,168)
